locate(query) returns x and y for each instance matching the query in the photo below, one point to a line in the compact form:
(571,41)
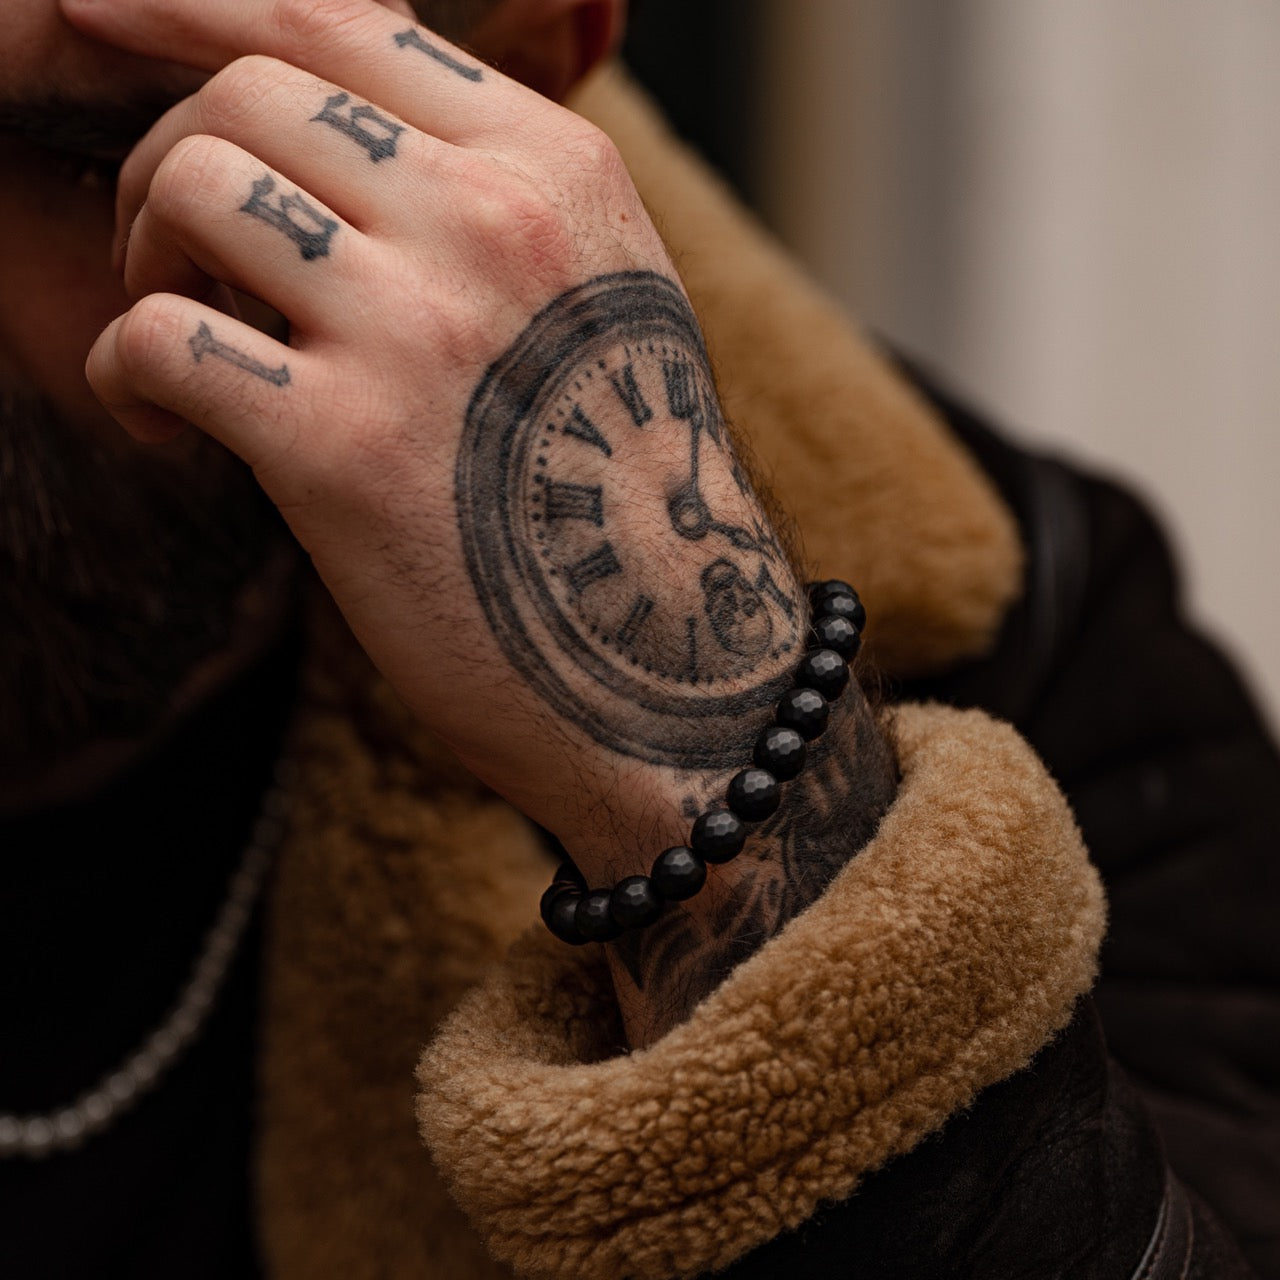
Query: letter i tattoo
(203,343)
(412,39)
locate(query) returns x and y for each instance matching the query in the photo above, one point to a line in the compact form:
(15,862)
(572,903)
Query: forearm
(827,814)
(630,574)
(512,473)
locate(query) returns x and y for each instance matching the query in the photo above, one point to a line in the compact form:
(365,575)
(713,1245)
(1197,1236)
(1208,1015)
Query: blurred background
(1069,209)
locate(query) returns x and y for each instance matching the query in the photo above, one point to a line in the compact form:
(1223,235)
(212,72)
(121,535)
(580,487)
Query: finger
(170,359)
(217,214)
(342,150)
(360,45)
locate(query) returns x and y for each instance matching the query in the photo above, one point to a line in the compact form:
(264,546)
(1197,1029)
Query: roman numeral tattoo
(580,426)
(203,343)
(311,230)
(567,501)
(411,39)
(640,611)
(681,397)
(364,125)
(592,568)
(630,394)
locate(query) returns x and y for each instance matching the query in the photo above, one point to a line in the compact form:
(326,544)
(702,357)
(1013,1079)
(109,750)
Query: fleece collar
(939,960)
(882,493)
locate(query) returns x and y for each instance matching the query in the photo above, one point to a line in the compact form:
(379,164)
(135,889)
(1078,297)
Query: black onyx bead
(567,873)
(559,913)
(718,835)
(805,711)
(781,751)
(594,919)
(824,670)
(754,794)
(678,873)
(635,902)
(553,891)
(821,591)
(843,606)
(830,632)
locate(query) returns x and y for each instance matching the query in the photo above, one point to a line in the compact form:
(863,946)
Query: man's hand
(480,426)
(409,212)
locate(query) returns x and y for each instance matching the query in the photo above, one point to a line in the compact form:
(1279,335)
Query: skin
(416,216)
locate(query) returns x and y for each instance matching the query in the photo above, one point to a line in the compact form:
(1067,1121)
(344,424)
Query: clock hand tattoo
(596,431)
(687,508)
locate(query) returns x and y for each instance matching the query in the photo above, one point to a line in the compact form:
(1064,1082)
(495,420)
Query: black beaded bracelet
(576,914)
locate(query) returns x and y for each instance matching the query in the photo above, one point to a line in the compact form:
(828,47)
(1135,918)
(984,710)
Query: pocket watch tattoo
(600,420)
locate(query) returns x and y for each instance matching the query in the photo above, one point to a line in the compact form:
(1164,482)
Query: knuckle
(523,224)
(239,89)
(593,151)
(191,172)
(302,24)
(146,336)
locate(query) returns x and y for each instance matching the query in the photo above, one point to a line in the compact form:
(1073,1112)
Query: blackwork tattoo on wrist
(666,644)
(363,124)
(413,39)
(203,343)
(829,813)
(295,215)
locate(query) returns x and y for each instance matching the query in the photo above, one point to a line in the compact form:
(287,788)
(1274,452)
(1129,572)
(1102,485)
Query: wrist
(711,896)
(827,815)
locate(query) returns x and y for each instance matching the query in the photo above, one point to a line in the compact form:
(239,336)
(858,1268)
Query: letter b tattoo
(364,125)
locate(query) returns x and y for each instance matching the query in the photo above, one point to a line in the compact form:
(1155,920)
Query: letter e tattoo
(311,231)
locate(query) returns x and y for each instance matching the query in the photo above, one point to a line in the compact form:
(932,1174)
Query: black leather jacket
(1154,1118)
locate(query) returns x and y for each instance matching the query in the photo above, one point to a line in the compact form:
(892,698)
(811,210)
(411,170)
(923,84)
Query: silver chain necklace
(37,1135)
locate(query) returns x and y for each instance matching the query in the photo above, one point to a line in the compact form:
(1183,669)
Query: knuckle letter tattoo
(310,230)
(203,343)
(602,418)
(412,39)
(364,125)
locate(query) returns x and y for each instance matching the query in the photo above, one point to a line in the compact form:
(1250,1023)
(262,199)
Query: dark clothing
(1081,1165)
(1175,782)
(1059,1171)
(106,904)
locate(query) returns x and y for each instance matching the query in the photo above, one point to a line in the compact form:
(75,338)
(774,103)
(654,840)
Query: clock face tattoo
(601,420)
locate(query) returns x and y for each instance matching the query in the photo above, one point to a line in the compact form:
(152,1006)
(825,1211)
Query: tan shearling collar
(938,961)
(883,495)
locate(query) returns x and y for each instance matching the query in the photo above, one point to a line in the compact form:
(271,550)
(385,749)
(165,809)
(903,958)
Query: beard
(120,567)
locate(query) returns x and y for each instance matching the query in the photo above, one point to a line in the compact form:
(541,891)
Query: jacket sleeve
(1175,782)
(940,960)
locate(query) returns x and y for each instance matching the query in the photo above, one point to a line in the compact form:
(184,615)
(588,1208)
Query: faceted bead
(567,873)
(824,670)
(843,605)
(718,835)
(635,902)
(560,914)
(836,633)
(678,873)
(754,794)
(594,919)
(552,892)
(781,751)
(805,711)
(820,591)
